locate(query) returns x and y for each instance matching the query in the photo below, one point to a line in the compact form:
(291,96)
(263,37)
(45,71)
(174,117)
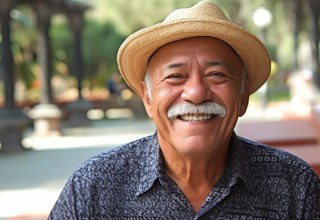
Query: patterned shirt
(129,182)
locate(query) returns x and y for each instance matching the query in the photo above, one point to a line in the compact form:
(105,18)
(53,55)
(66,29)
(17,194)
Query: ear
(244,100)
(145,98)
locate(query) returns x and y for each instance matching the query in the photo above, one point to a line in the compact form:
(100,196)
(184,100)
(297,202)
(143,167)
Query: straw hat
(203,19)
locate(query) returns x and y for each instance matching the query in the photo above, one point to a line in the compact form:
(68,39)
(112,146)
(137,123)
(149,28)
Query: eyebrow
(216,63)
(174,65)
(208,64)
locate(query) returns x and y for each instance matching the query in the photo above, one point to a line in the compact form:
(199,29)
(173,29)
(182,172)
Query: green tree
(109,22)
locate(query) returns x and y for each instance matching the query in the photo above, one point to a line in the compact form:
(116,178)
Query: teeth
(195,117)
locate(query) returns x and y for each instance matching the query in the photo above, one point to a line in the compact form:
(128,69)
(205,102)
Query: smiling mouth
(196,117)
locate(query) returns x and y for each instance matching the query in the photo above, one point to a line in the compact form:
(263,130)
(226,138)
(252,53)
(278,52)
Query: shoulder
(273,158)
(98,182)
(129,153)
(274,173)
(118,164)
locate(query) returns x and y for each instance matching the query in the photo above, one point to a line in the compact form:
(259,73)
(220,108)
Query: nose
(196,90)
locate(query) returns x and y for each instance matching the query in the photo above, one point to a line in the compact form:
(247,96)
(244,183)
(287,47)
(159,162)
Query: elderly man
(194,72)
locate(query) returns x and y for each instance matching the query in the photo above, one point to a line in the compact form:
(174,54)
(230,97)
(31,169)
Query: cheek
(228,95)
(167,93)
(162,99)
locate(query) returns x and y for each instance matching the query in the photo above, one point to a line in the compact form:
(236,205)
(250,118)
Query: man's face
(195,70)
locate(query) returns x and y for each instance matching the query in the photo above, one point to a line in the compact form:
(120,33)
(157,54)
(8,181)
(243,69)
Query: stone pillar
(77,111)
(44,56)
(47,116)
(76,23)
(314,7)
(12,120)
(296,18)
(6,53)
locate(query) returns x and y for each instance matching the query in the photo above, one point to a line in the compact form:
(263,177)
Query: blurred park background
(62,99)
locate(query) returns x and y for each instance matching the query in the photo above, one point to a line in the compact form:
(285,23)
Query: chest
(163,203)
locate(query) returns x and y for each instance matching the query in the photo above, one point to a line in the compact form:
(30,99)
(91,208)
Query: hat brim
(134,53)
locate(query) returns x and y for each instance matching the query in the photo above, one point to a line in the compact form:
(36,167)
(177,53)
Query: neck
(197,171)
(195,175)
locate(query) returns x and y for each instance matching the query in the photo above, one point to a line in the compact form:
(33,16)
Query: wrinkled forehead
(207,46)
(189,43)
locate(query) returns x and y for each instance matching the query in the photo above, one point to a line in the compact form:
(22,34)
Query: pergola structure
(46,114)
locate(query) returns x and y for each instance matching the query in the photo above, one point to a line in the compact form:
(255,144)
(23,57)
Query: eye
(216,77)
(174,78)
(215,74)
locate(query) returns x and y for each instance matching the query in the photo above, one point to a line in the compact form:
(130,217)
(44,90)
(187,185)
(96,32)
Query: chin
(195,146)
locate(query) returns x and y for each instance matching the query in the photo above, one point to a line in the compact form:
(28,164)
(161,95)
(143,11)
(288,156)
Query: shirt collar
(236,162)
(152,166)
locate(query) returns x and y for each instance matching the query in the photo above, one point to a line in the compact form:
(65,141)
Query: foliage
(100,45)
(23,49)
(129,16)
(110,21)
(61,44)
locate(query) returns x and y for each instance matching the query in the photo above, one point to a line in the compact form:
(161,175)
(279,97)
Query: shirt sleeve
(65,207)
(312,202)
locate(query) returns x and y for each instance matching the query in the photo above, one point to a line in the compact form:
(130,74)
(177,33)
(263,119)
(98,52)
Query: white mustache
(208,108)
